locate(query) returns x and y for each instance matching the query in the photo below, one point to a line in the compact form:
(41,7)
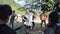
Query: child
(43,18)
(12,18)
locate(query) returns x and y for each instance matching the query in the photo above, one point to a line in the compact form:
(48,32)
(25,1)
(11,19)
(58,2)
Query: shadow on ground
(37,29)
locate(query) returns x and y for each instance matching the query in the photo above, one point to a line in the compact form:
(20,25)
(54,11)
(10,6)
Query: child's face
(27,11)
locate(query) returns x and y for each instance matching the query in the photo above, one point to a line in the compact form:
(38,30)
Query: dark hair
(43,11)
(53,18)
(5,11)
(28,9)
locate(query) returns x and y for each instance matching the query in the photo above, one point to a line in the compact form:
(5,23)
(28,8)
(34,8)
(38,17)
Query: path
(36,30)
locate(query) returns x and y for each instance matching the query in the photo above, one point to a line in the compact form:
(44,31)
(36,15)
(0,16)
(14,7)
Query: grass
(13,5)
(18,9)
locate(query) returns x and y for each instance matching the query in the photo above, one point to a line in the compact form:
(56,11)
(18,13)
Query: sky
(20,2)
(23,2)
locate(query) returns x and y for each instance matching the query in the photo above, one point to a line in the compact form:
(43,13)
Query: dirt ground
(37,29)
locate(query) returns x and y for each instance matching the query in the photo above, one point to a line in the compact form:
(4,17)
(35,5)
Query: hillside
(19,10)
(14,6)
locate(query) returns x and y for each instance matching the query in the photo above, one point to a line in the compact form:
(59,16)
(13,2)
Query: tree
(48,6)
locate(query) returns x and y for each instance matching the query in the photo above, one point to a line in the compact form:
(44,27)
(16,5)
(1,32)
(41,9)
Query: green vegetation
(14,6)
(48,6)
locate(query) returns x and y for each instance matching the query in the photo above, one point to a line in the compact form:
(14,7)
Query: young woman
(27,20)
(33,17)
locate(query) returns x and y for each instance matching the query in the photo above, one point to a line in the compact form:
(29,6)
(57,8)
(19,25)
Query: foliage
(14,6)
(48,6)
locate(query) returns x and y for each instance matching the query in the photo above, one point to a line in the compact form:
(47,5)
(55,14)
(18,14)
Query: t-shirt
(32,14)
(12,18)
(29,20)
(4,29)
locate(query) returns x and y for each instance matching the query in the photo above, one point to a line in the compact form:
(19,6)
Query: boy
(12,18)
(5,12)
